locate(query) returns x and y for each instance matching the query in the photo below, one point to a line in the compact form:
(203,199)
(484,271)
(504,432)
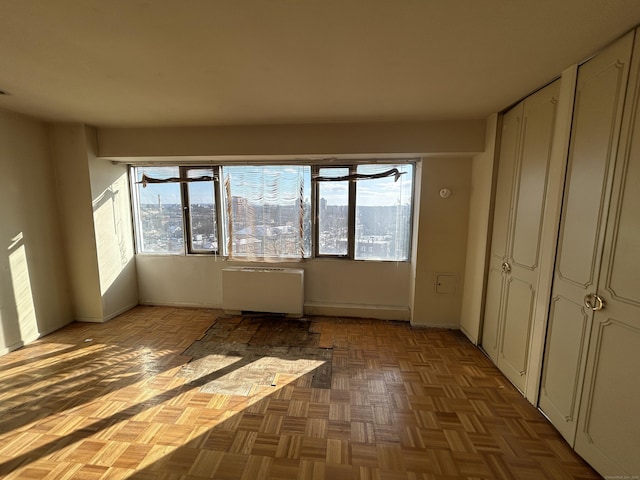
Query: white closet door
(608,435)
(594,138)
(527,214)
(509,143)
(519,213)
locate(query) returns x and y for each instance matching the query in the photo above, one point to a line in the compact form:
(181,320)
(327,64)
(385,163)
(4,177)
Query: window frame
(351,208)
(351,211)
(185,209)
(223,177)
(221,220)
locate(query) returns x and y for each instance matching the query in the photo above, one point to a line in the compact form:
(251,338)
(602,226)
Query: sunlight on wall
(22,289)
(110,214)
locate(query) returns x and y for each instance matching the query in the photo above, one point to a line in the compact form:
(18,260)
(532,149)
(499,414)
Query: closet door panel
(527,214)
(517,331)
(609,431)
(509,147)
(509,144)
(595,133)
(566,318)
(622,282)
(493,305)
(531,181)
(596,120)
(609,424)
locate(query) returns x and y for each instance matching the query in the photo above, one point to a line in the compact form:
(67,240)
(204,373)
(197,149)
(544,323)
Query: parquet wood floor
(166,393)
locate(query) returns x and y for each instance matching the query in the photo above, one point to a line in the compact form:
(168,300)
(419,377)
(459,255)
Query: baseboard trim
(468,335)
(179,304)
(11,348)
(119,312)
(445,326)
(90,319)
(382,312)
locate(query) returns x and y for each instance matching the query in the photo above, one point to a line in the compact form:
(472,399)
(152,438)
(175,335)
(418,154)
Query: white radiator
(263,289)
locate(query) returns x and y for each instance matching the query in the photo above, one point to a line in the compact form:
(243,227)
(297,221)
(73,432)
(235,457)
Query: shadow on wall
(114,239)
(122,293)
(18,315)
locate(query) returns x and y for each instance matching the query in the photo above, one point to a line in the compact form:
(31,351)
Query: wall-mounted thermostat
(445,193)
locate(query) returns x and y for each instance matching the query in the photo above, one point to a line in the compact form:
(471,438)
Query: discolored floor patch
(242,354)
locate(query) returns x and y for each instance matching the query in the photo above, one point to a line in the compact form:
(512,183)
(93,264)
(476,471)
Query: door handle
(506,268)
(593,301)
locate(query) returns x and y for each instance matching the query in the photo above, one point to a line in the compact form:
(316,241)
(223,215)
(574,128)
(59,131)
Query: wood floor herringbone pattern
(166,393)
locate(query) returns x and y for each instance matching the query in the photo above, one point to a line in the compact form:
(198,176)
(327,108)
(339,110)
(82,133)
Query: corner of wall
(112,231)
(482,173)
(69,147)
(417,188)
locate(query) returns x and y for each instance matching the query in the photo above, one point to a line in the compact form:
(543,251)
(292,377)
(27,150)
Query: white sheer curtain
(383,212)
(265,211)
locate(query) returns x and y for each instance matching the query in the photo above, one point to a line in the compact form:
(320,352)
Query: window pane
(383,214)
(202,211)
(159,212)
(306,219)
(333,213)
(267,206)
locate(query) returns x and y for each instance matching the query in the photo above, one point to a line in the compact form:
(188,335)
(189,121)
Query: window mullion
(220,220)
(135,207)
(351,217)
(315,199)
(186,216)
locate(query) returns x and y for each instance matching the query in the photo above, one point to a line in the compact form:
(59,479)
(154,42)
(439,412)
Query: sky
(378,192)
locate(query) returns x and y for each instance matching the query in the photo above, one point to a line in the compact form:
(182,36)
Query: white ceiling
(124,63)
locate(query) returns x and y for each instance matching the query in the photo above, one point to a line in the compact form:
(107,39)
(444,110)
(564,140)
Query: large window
(175,209)
(333,212)
(267,211)
(261,212)
(200,209)
(364,211)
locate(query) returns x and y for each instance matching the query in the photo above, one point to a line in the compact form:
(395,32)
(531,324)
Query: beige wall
(443,137)
(113,232)
(482,168)
(69,145)
(34,297)
(332,287)
(387,290)
(442,240)
(403,290)
(96,224)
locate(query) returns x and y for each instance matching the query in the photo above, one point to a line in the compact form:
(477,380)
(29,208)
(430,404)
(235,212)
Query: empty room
(304,239)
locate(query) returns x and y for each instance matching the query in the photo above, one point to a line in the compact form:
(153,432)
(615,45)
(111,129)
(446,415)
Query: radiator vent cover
(263,289)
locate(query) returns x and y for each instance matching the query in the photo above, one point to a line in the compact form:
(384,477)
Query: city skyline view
(370,192)
(266,212)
